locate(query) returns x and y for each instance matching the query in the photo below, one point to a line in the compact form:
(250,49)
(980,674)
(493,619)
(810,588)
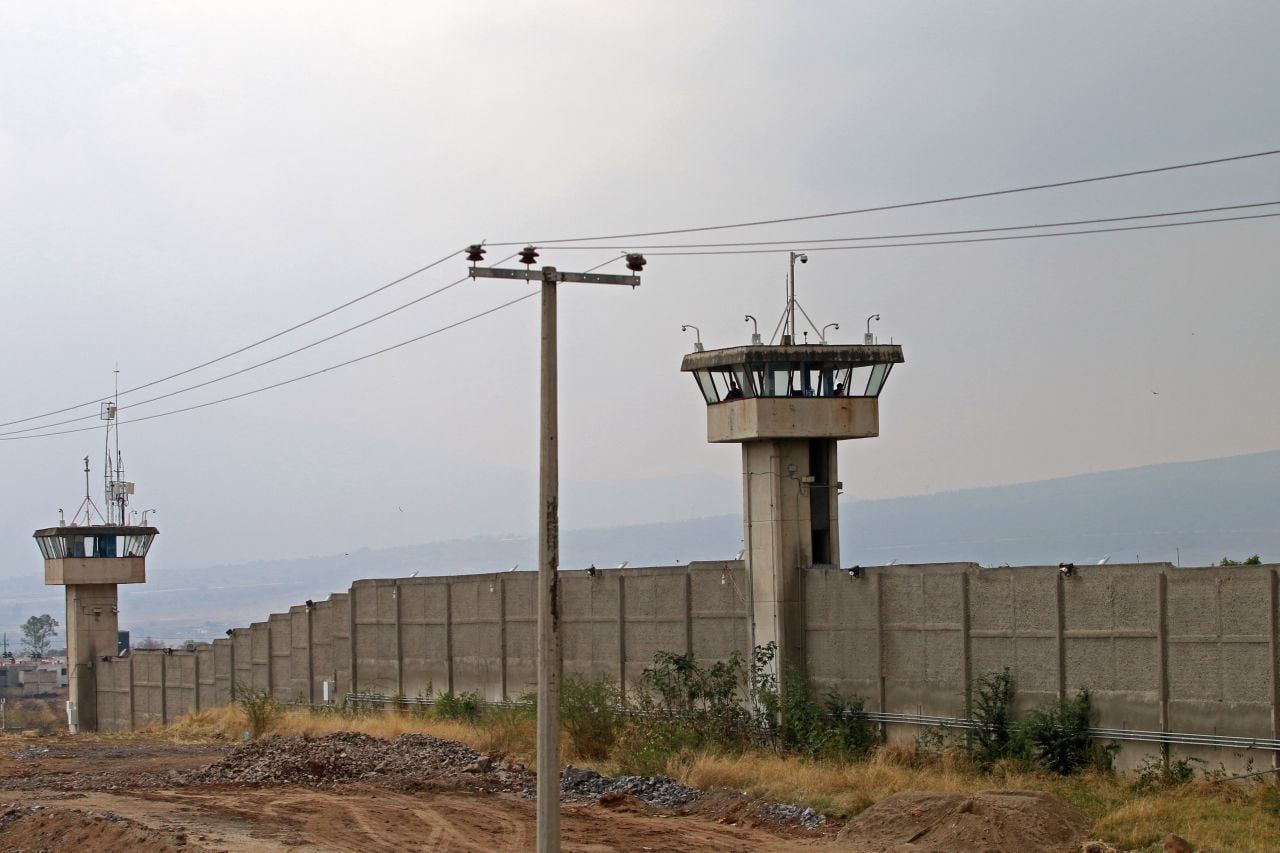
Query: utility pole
(549,655)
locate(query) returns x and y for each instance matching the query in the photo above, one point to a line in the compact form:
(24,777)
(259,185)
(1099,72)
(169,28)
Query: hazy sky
(181,179)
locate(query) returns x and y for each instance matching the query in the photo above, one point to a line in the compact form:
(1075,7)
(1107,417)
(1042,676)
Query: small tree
(1255,560)
(37,632)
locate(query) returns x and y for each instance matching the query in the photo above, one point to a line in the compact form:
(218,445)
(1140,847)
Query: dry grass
(842,789)
(1211,817)
(501,733)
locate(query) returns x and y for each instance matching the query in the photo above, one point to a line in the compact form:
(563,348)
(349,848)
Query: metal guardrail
(1136,735)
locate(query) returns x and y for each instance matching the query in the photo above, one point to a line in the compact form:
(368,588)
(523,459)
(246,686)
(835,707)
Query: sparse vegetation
(1255,560)
(991,709)
(458,706)
(590,714)
(259,707)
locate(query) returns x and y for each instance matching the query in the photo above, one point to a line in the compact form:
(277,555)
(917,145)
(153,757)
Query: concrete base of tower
(92,633)
(791,524)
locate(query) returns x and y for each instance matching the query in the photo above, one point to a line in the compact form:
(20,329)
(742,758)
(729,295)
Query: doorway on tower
(821,494)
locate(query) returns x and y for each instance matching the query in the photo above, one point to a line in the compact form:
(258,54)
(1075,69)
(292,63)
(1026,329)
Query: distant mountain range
(1197,512)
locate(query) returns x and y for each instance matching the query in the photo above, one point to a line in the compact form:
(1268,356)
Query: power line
(903,205)
(310,375)
(795,242)
(244,348)
(285,382)
(967,239)
(264,363)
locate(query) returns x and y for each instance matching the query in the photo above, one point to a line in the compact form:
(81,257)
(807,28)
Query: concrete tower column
(791,523)
(92,632)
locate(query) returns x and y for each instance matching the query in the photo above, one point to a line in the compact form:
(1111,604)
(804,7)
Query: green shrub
(589,714)
(260,709)
(458,706)
(1057,736)
(1255,560)
(1157,772)
(994,736)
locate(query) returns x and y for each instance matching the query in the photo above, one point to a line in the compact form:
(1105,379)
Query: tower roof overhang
(850,354)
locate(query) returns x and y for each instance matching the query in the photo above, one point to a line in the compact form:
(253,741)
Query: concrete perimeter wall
(414,636)
(1160,648)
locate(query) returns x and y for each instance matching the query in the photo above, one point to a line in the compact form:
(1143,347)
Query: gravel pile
(352,757)
(781,813)
(659,791)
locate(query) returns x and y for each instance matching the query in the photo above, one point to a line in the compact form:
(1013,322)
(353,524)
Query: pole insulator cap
(636,262)
(475,253)
(528,255)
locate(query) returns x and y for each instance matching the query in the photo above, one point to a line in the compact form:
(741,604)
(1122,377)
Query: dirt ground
(62,793)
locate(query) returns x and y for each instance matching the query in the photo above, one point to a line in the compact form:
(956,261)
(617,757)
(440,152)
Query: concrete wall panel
(424,636)
(374,606)
(300,661)
(179,684)
(148,688)
(340,625)
(280,644)
(222,673)
(474,636)
(322,657)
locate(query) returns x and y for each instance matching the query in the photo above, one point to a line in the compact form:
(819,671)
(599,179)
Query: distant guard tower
(787,405)
(90,559)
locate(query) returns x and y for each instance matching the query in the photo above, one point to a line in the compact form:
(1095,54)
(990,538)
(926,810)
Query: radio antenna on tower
(117,489)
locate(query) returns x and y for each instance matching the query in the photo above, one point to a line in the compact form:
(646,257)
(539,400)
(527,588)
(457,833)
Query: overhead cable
(244,348)
(264,363)
(991,229)
(900,205)
(310,375)
(285,382)
(964,240)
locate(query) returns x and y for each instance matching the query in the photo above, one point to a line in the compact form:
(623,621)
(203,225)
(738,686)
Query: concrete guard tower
(90,559)
(788,405)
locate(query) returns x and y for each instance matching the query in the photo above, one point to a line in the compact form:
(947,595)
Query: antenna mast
(117,489)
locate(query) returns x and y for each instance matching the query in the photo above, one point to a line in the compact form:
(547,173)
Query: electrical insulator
(475,253)
(528,255)
(636,262)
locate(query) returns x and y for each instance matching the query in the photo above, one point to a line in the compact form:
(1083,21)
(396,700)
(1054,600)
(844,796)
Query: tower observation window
(791,379)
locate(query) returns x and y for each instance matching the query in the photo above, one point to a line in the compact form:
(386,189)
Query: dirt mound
(735,808)
(38,828)
(989,821)
(352,757)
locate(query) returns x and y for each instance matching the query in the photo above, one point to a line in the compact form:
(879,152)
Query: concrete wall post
(878,591)
(1162,650)
(622,637)
(502,637)
(351,638)
(448,631)
(966,644)
(271,676)
(688,612)
(1273,613)
(133,723)
(1060,632)
(164,689)
(396,616)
